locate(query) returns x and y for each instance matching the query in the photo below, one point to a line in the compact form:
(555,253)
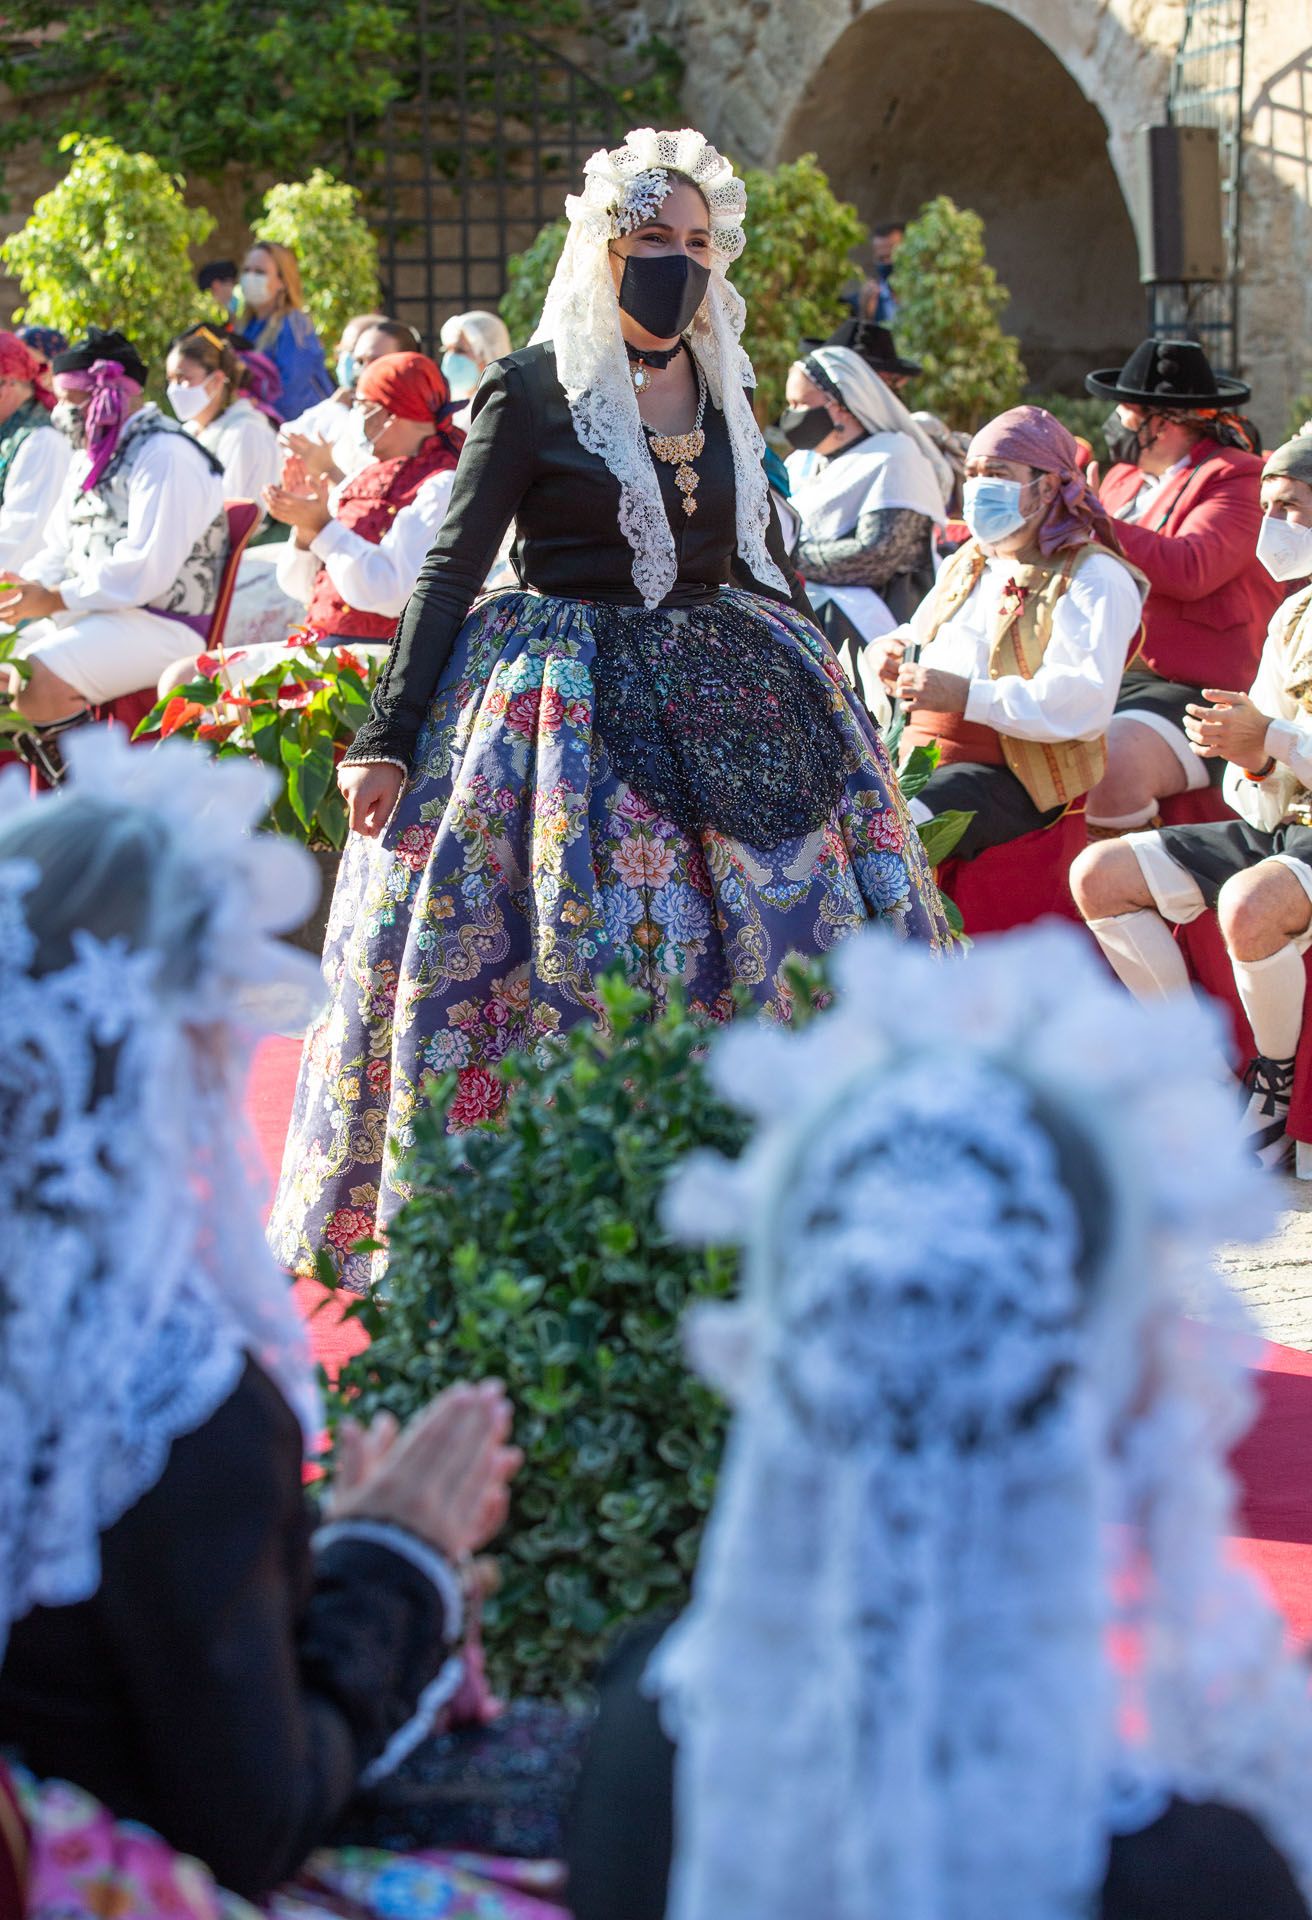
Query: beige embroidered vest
(1053,773)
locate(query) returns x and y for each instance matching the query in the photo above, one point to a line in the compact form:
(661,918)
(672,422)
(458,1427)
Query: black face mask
(663,291)
(1123,443)
(805,427)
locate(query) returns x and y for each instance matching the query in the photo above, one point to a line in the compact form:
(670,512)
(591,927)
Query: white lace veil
(581,319)
(879,410)
(986,1381)
(136,910)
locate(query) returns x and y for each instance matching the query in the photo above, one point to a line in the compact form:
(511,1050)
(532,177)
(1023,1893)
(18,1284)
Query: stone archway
(919,97)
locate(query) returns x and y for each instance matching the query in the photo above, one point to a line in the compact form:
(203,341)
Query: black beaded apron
(715,722)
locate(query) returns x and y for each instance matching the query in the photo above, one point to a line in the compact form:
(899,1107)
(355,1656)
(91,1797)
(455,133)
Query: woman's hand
(371,792)
(446,1476)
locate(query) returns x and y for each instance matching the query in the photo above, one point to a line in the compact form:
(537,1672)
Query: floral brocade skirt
(84,1864)
(694,794)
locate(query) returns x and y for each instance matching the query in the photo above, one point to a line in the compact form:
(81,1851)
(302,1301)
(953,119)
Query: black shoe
(39,747)
(1270,1087)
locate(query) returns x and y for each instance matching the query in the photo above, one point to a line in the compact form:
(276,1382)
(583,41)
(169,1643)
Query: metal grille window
(491,131)
(1207,90)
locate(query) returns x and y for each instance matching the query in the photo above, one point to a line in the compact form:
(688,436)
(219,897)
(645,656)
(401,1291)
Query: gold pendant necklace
(679,450)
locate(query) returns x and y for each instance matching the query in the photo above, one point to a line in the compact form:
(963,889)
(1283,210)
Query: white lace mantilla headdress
(581,318)
(134,1277)
(986,1381)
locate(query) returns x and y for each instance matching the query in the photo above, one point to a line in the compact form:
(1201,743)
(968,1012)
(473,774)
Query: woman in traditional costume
(646,755)
(181,1648)
(967,1639)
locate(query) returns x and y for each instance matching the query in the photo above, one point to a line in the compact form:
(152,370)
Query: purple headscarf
(110,387)
(1036,439)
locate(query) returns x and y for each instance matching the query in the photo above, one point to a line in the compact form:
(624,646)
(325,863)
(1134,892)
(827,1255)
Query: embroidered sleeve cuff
(409,1547)
(382,740)
(1284,739)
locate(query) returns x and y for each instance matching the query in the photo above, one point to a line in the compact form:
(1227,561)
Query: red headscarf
(1035,438)
(18,362)
(412,387)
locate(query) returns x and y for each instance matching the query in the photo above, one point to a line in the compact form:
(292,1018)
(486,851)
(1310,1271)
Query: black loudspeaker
(1180,232)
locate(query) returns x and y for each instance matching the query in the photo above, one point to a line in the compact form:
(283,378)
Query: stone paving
(1276,1278)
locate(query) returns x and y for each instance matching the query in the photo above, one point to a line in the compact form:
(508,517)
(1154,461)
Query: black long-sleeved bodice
(523,462)
(226,1685)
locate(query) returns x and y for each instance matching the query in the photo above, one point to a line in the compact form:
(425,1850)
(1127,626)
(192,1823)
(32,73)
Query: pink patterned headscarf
(109,387)
(1035,438)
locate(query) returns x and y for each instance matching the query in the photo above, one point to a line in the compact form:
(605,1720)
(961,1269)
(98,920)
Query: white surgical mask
(254,288)
(187,401)
(1284,549)
(992,510)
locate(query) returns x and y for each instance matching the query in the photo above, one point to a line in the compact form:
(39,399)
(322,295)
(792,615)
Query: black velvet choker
(645,357)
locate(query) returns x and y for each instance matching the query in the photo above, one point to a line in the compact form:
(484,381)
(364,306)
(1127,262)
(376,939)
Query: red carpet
(1274,1463)
(269,1103)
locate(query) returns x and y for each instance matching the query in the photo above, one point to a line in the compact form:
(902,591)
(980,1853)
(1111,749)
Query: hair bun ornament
(625,186)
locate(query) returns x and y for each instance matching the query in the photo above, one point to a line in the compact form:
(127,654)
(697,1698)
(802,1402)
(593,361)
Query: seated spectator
(1184,492)
(206,390)
(218,278)
(134,551)
(1254,873)
(877,348)
(966,1638)
(329,419)
(273,320)
(34,456)
(868,487)
(355,563)
(1012,664)
(471,342)
(333,457)
(177,1640)
(44,342)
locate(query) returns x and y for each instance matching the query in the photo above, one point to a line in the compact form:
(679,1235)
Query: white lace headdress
(581,318)
(134,1277)
(986,1380)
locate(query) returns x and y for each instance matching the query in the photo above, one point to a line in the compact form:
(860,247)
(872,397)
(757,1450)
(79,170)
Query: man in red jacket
(1184,493)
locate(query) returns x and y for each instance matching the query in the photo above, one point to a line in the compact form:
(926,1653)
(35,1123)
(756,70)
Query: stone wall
(1029,111)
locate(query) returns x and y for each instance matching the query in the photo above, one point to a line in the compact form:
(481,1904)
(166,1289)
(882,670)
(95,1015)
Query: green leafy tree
(535,1251)
(949,318)
(320,220)
(271,87)
(796,264)
(528,275)
(109,247)
(799,239)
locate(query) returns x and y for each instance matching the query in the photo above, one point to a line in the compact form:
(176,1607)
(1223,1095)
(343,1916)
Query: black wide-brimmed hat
(1167,374)
(873,344)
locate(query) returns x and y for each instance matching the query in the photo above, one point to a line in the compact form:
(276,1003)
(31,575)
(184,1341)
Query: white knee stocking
(1124,822)
(1271,991)
(1142,953)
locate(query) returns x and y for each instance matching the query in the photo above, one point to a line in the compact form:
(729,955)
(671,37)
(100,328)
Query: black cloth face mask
(805,427)
(1123,443)
(663,291)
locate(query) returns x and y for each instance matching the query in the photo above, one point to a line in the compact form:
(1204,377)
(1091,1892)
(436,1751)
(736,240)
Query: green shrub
(799,237)
(109,247)
(796,264)
(534,1252)
(949,308)
(1082,413)
(320,220)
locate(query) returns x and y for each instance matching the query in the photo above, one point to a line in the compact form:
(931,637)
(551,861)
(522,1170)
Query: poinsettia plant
(299,716)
